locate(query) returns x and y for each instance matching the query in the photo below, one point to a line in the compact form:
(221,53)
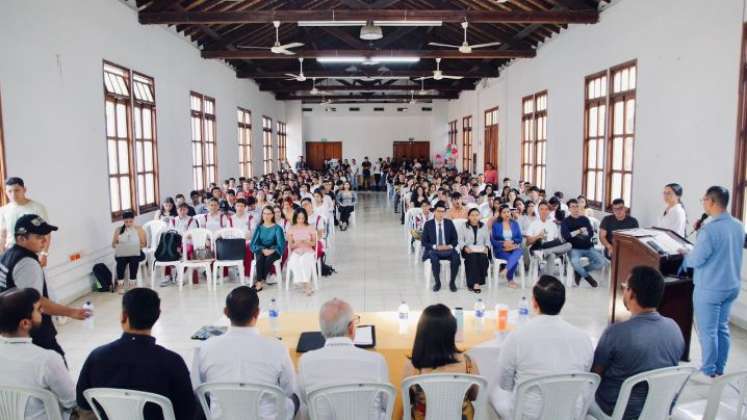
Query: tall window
(203,140)
(467,143)
(146,158)
(118,108)
(490,140)
(453,132)
(245,142)
(595,123)
(740,167)
(267,143)
(534,139)
(609,136)
(3,198)
(282,151)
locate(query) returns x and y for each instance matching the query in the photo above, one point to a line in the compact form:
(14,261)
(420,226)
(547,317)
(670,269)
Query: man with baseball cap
(19,267)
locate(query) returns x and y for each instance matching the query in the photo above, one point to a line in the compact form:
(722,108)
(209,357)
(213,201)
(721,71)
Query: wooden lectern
(647,247)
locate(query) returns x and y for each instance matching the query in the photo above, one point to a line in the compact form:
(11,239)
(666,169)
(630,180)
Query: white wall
(369,133)
(53,115)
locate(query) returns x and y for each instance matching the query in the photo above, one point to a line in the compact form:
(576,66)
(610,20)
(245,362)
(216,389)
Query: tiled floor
(374,273)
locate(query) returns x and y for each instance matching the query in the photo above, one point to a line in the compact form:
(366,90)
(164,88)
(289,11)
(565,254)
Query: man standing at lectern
(717,260)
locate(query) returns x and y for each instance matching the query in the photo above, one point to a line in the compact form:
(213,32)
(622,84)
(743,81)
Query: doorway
(319,151)
(411,150)
(491,138)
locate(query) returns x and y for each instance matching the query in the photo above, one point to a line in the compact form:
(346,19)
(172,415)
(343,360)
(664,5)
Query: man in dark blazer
(440,241)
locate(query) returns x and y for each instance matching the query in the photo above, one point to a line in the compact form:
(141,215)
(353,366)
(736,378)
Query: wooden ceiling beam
(355,88)
(342,74)
(477,54)
(476,16)
(286,97)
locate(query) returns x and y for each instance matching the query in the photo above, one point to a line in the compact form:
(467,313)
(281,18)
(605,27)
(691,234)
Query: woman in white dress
(674,216)
(302,239)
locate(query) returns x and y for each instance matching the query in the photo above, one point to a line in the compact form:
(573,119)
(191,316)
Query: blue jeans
(712,309)
(512,259)
(596,261)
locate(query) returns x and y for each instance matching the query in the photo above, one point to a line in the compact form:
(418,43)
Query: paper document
(363,335)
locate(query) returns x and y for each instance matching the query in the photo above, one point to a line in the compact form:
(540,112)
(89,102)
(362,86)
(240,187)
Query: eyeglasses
(356,319)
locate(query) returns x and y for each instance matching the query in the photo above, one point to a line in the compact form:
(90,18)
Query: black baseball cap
(32,223)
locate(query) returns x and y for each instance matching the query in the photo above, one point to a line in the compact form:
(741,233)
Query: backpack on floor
(169,246)
(103,278)
(327,270)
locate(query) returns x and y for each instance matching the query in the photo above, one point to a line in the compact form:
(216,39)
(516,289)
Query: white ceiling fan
(314,90)
(422,90)
(438,74)
(465,48)
(412,98)
(276,48)
(300,76)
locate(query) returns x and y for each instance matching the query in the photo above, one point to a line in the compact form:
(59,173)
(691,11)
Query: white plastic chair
(560,395)
(349,402)
(13,401)
(486,357)
(238,400)
(428,271)
(200,238)
(155,265)
(719,405)
(409,221)
(228,233)
(496,273)
(278,271)
(663,387)
(126,404)
(444,395)
(153,231)
(289,272)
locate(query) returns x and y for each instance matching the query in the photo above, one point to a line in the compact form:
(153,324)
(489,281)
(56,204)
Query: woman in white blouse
(674,217)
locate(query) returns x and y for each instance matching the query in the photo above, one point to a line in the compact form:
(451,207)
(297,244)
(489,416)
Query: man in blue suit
(440,241)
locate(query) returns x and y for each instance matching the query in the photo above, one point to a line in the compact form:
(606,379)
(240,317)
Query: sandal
(513,285)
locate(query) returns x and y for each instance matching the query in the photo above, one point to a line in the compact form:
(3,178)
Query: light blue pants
(712,310)
(596,261)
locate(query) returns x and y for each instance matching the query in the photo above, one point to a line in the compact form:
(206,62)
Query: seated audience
(346,199)
(302,240)
(577,230)
(339,361)
(435,351)
(243,355)
(618,220)
(183,221)
(167,211)
(474,245)
(457,209)
(524,354)
(440,240)
(197,203)
(646,341)
(544,239)
(128,243)
(24,364)
(214,219)
(268,245)
(136,362)
(506,241)
(179,200)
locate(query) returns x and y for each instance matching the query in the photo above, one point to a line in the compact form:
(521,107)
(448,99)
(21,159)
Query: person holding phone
(128,243)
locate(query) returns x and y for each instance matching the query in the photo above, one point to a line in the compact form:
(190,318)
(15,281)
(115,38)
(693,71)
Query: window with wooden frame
(118,110)
(595,131)
(467,143)
(146,155)
(282,136)
(534,139)
(267,143)
(202,110)
(245,142)
(622,136)
(739,202)
(3,197)
(453,132)
(490,139)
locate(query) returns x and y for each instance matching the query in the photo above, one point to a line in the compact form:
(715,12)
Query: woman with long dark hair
(434,351)
(302,240)
(268,244)
(346,199)
(167,210)
(474,245)
(674,216)
(128,243)
(506,241)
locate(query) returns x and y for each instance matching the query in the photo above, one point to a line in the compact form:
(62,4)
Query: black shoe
(576,278)
(452,287)
(591,281)
(478,291)
(437,287)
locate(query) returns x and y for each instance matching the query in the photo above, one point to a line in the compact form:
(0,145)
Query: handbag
(230,249)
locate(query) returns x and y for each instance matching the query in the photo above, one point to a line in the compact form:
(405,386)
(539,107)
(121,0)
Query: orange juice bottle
(501,314)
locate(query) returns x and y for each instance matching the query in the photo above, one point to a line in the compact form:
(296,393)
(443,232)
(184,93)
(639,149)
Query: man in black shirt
(618,220)
(577,230)
(135,361)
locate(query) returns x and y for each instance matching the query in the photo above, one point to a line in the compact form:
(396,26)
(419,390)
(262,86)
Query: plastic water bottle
(403,311)
(523,310)
(88,322)
(274,313)
(479,310)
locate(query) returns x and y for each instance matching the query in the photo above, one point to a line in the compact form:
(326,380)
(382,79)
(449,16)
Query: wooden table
(392,342)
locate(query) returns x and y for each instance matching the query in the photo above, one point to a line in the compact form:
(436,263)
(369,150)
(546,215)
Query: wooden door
(402,150)
(411,150)
(491,146)
(333,150)
(421,149)
(317,152)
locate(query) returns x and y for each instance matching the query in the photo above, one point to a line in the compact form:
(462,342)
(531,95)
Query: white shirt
(11,212)
(354,169)
(182,225)
(549,226)
(243,355)
(525,355)
(27,365)
(340,362)
(245,222)
(485,210)
(674,219)
(214,223)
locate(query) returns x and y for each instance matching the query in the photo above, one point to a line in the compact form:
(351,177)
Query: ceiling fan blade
(292,45)
(452,77)
(283,51)
(424,78)
(438,44)
(294,76)
(251,47)
(487,44)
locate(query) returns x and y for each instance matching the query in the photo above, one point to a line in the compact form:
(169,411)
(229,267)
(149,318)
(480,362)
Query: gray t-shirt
(645,342)
(28,273)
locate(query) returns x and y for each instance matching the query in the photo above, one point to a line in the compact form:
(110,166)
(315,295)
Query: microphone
(699,222)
